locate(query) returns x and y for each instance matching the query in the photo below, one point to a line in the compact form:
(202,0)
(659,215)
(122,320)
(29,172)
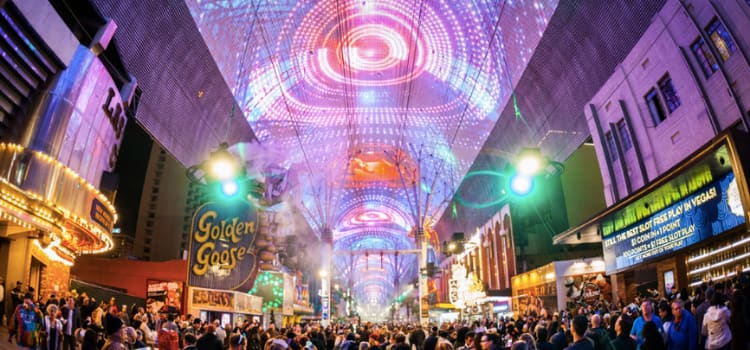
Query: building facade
(164,214)
(63,108)
(684,82)
(670,132)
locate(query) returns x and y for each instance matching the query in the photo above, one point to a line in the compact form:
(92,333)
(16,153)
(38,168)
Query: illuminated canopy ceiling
(379,107)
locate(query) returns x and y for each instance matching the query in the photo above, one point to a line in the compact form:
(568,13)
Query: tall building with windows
(161,229)
(670,128)
(686,81)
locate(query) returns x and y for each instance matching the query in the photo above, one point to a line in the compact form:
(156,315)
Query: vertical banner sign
(222,246)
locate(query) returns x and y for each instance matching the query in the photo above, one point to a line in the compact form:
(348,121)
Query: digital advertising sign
(700,203)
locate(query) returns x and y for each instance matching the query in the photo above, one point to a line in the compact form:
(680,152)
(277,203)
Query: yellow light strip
(52,254)
(50,159)
(44,217)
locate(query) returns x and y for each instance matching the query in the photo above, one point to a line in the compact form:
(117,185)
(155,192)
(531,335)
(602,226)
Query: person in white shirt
(716,324)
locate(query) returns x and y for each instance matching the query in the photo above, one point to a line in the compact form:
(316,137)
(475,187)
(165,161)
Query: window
(622,129)
(670,94)
(721,39)
(654,107)
(611,145)
(703,55)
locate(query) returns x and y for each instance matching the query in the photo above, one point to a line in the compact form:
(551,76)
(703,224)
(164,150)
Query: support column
(423,298)
(325,276)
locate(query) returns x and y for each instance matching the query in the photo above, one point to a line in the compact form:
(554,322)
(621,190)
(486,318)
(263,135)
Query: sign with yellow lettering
(222,246)
(695,206)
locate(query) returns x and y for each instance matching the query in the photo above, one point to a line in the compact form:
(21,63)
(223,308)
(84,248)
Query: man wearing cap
(114,328)
(26,323)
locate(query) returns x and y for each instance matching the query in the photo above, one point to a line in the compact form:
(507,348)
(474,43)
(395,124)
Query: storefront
(562,285)
(229,307)
(685,228)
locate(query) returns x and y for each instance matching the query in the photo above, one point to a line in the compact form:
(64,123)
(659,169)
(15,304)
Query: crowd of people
(712,316)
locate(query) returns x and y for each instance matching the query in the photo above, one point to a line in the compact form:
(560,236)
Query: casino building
(64,104)
(669,127)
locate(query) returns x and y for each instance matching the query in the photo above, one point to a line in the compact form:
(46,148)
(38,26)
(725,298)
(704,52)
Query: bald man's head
(595,321)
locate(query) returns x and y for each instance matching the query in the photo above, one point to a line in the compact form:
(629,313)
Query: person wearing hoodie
(716,324)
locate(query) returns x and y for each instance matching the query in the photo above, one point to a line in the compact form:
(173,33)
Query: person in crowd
(558,337)
(209,340)
(652,339)
(90,338)
(26,324)
(623,341)
(17,295)
(468,341)
(716,324)
(2,301)
(236,342)
(189,341)
(704,298)
(431,341)
(71,321)
(529,339)
(51,332)
(598,334)
(401,343)
(542,340)
(609,326)
(115,333)
(664,310)
(130,337)
(683,334)
(519,345)
(221,333)
(739,321)
(443,344)
(578,330)
(647,315)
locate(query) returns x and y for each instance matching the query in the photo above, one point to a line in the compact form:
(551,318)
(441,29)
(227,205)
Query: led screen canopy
(372,102)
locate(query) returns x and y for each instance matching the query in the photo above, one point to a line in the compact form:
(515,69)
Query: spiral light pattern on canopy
(331,80)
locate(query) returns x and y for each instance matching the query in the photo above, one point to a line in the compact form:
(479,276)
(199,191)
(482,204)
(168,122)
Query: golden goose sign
(222,246)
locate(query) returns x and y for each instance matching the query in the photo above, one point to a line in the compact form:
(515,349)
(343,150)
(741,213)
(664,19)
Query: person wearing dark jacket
(598,334)
(542,340)
(71,319)
(209,340)
(580,341)
(431,341)
(416,338)
(558,338)
(623,341)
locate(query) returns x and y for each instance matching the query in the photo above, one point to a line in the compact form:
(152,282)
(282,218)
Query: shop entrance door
(35,276)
